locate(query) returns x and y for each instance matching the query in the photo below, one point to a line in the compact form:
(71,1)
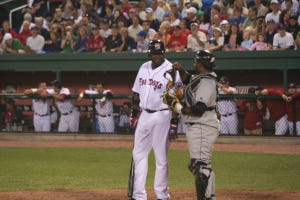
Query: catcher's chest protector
(192,87)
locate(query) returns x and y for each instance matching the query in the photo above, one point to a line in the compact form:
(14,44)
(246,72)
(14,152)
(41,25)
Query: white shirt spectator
(294,9)
(159,14)
(273,16)
(192,41)
(283,42)
(36,43)
(132,31)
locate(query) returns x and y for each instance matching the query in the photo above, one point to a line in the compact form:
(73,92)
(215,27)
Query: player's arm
(58,96)
(33,91)
(195,110)
(184,75)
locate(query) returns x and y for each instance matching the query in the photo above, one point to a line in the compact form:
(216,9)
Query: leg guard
(204,180)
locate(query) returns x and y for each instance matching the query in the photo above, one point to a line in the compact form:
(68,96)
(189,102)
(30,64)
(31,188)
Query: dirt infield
(177,194)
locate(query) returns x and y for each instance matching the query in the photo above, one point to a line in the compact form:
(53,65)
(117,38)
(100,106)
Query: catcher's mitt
(171,100)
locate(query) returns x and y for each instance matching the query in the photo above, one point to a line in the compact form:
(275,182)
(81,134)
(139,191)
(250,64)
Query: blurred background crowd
(74,26)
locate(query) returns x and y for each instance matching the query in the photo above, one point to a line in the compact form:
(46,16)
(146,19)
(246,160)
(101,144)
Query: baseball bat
(131,180)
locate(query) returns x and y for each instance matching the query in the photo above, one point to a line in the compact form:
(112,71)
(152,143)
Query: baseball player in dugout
(69,116)
(227,108)
(41,108)
(199,113)
(293,108)
(276,107)
(153,124)
(104,107)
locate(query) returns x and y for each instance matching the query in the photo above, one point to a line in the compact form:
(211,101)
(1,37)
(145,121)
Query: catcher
(199,113)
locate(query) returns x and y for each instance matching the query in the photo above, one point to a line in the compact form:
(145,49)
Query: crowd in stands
(74,26)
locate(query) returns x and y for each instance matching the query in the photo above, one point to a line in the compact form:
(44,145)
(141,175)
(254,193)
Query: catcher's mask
(206,58)
(156,47)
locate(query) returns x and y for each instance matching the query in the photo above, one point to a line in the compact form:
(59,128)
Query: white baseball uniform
(41,114)
(152,129)
(104,116)
(228,112)
(69,116)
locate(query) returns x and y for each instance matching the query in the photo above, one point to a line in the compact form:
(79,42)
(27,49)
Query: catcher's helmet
(206,58)
(156,47)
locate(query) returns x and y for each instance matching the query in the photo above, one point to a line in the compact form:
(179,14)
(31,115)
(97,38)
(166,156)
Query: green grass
(70,168)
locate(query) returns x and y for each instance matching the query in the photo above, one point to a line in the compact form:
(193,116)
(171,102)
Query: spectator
(118,16)
(276,107)
(158,12)
(215,43)
(39,22)
(174,20)
(153,22)
(164,5)
(105,31)
(163,33)
(7,29)
(274,15)
(297,41)
(191,16)
(293,26)
(247,42)
(27,17)
(142,42)
(252,15)
(26,32)
(150,31)
(196,40)
(253,117)
(237,16)
(227,108)
(291,5)
(260,44)
(35,42)
(126,6)
(284,18)
(81,42)
(114,41)
(178,40)
(293,108)
(125,120)
(128,42)
(269,33)
(57,17)
(183,27)
(283,40)
(11,45)
(216,22)
(233,40)
(135,27)
(95,42)
(104,108)
(69,116)
(204,23)
(54,44)
(140,10)
(225,26)
(68,41)
(12,116)
(261,9)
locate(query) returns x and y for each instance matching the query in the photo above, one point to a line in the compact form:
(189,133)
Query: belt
(153,111)
(67,113)
(228,114)
(105,115)
(41,115)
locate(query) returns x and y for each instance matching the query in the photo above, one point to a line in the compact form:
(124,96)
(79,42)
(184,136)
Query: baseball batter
(41,109)
(154,121)
(199,112)
(69,116)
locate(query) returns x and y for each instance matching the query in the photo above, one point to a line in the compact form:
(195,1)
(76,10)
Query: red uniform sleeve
(275,91)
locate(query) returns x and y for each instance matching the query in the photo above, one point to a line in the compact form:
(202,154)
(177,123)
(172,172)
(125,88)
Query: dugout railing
(88,113)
